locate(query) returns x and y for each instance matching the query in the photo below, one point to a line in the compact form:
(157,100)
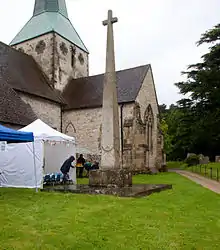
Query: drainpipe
(122,136)
(61,119)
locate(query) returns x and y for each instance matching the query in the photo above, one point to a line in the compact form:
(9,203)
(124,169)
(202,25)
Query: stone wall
(142,141)
(58,58)
(85,125)
(135,147)
(147,96)
(161,156)
(143,145)
(48,111)
(70,62)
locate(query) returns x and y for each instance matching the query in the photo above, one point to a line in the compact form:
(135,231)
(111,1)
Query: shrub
(192,160)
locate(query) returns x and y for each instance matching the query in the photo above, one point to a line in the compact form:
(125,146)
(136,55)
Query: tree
(167,137)
(202,108)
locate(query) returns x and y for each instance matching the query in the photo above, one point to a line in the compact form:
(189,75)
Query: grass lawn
(186,217)
(176,164)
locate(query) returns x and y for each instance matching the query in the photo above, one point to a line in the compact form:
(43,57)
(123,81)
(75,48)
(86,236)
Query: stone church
(44,73)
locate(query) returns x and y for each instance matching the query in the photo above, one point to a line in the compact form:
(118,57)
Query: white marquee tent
(52,148)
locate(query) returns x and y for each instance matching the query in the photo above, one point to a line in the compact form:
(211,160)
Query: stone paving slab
(203,181)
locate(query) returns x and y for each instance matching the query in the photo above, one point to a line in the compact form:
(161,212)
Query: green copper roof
(50,6)
(49,16)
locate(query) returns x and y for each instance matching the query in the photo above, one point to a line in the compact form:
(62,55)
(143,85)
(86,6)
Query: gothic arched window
(70,129)
(149,121)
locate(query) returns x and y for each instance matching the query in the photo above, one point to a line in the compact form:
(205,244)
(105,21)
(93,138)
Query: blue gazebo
(13,136)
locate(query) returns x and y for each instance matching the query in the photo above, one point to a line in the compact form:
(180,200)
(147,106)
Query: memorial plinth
(135,191)
(110,177)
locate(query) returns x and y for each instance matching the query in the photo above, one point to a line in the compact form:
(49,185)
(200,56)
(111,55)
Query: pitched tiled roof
(23,74)
(13,110)
(87,92)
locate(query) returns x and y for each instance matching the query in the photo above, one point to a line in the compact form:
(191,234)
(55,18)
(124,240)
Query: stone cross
(110,19)
(110,157)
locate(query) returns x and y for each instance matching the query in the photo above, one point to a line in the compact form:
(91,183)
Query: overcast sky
(160,32)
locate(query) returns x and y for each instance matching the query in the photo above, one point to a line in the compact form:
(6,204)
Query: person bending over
(66,167)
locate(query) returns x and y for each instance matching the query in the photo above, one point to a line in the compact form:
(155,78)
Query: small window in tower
(81,59)
(63,48)
(73,53)
(40,47)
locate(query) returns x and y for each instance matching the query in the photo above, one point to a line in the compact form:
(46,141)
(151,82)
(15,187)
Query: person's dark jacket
(81,160)
(67,165)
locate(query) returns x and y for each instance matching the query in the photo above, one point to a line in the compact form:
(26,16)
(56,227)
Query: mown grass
(185,217)
(176,165)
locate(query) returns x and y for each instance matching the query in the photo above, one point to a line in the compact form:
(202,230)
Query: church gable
(147,95)
(148,105)
(87,92)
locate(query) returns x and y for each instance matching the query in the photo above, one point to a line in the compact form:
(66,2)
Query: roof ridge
(143,77)
(140,66)
(102,74)
(129,82)
(14,50)
(117,71)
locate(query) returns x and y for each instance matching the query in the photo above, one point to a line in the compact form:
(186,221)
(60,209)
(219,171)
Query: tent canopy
(44,132)
(13,136)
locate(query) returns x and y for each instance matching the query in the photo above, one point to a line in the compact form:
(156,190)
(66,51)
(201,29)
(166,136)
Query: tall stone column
(110,172)
(110,116)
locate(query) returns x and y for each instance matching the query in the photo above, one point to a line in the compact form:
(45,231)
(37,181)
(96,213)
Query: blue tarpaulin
(14,136)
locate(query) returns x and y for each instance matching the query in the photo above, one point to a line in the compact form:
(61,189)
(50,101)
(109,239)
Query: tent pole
(35,171)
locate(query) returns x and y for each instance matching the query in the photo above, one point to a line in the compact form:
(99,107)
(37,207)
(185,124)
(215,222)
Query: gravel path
(205,182)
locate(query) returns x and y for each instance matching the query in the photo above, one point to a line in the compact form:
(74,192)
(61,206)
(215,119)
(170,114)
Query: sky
(160,32)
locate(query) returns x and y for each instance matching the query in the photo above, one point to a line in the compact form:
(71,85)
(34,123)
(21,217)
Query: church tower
(51,39)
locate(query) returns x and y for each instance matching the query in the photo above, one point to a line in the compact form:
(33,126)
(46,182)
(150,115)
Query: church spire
(49,16)
(50,6)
